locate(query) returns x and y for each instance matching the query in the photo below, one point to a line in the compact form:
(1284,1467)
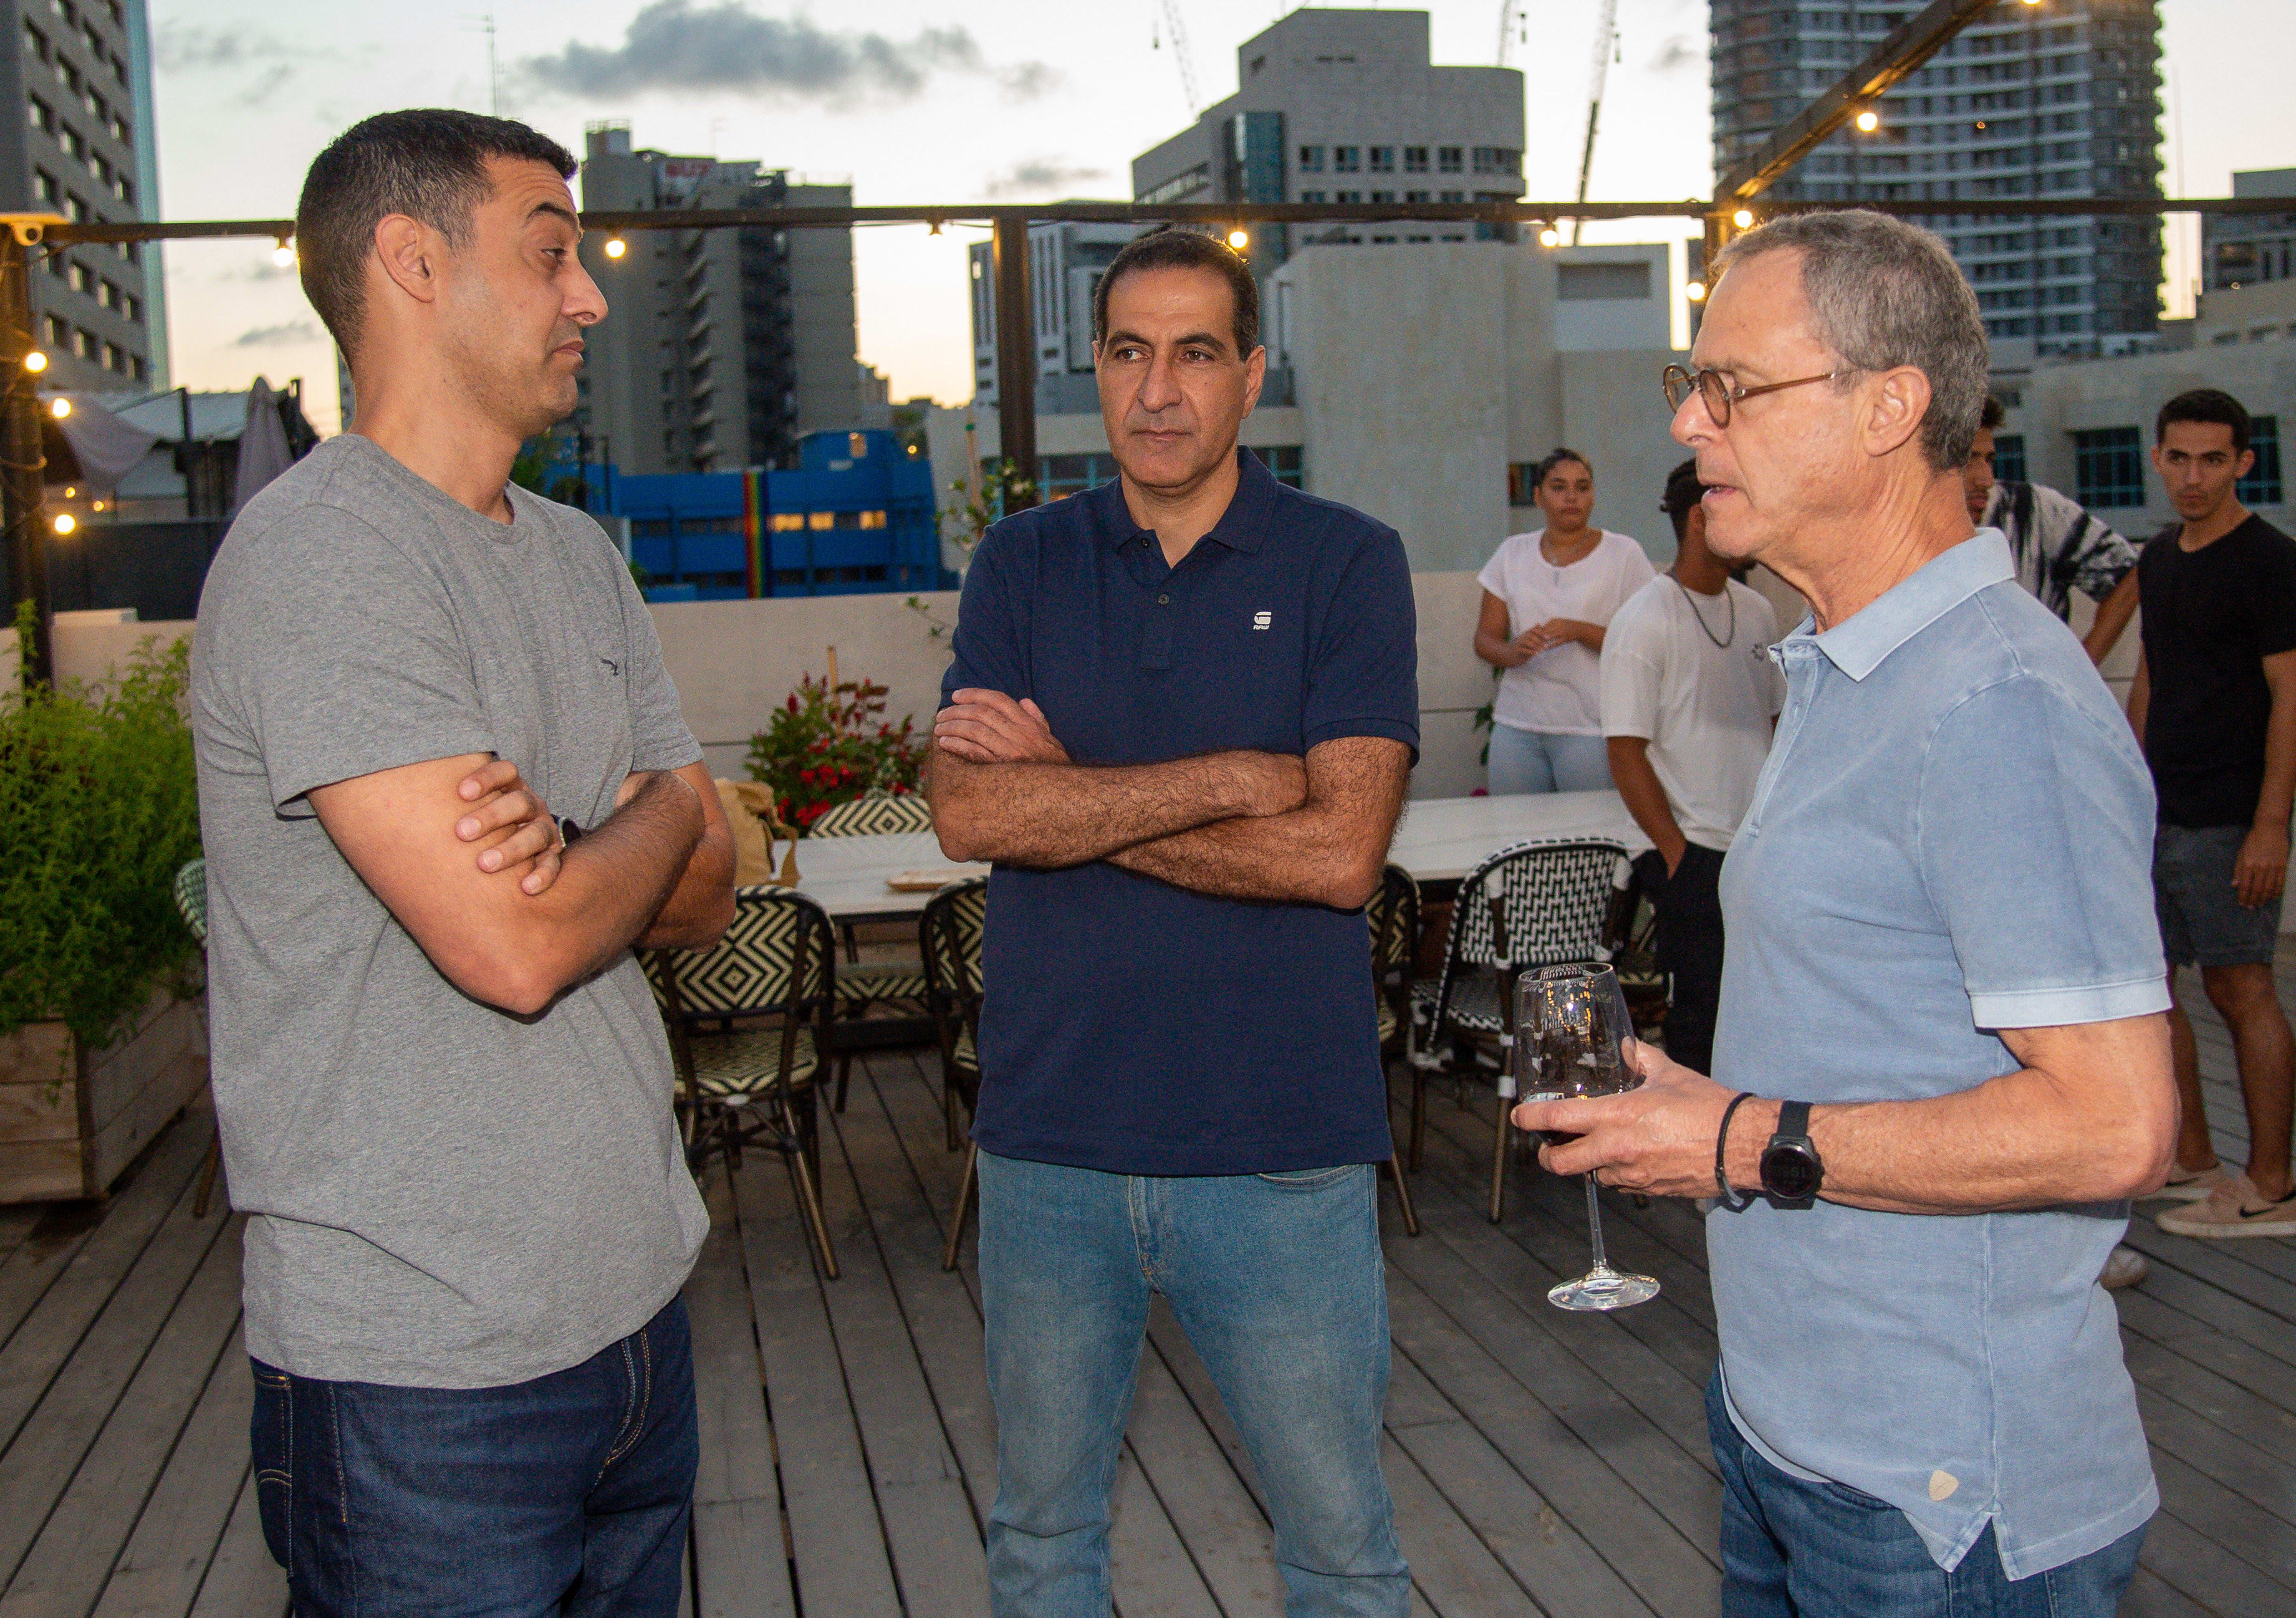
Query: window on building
(36,43)
(1451,160)
(1418,196)
(1487,159)
(1348,196)
(59,332)
(45,184)
(1312,196)
(86,344)
(1348,159)
(1383,160)
(131,307)
(2109,467)
(1287,462)
(1414,159)
(1060,476)
(2262,485)
(2009,457)
(107,294)
(1311,159)
(1455,196)
(1382,196)
(36,113)
(115,357)
(136,368)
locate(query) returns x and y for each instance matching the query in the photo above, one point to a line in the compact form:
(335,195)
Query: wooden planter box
(72,1119)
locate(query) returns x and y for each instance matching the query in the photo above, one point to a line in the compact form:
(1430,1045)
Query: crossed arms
(522,919)
(1240,825)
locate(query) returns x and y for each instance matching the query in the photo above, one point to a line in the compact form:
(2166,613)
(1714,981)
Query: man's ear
(1899,399)
(408,251)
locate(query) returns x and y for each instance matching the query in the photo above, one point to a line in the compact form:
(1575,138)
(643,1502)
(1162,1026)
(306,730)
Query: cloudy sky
(1002,99)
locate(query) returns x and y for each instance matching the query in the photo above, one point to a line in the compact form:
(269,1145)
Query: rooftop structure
(2237,250)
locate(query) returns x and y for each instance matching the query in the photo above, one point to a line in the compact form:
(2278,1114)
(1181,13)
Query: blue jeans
(1278,1281)
(1546,761)
(568,1494)
(1791,1548)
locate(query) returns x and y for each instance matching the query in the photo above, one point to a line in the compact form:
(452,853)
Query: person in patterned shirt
(2058,547)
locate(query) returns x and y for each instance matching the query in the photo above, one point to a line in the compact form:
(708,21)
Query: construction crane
(1514,22)
(1606,40)
(1177,31)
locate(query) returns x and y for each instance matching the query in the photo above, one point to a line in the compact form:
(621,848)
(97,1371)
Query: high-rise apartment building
(2059,100)
(1065,262)
(81,69)
(720,348)
(1346,106)
(2240,249)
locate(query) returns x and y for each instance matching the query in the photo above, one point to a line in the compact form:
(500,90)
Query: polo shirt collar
(1243,526)
(1861,643)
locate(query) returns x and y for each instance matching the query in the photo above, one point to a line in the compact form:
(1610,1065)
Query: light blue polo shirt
(1953,835)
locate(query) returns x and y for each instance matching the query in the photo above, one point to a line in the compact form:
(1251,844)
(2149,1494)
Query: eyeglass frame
(1728,393)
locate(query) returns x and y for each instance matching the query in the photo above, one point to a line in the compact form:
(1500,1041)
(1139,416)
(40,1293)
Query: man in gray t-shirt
(443,1091)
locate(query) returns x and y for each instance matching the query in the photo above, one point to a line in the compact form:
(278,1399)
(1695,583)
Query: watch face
(1790,1171)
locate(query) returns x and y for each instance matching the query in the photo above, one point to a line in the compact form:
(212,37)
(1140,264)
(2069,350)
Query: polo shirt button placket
(1156,643)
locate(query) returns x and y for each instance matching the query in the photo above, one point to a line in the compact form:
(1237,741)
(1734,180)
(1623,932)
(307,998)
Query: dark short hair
(1991,414)
(2207,404)
(1173,246)
(1683,491)
(429,163)
(1555,457)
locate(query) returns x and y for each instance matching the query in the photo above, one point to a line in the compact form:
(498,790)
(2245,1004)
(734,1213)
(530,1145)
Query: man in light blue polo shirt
(1940,934)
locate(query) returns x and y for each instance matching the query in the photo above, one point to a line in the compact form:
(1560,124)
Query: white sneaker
(2191,1185)
(2124,1268)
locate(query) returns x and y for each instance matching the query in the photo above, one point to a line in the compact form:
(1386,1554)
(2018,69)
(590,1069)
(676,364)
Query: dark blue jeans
(1791,1548)
(568,1494)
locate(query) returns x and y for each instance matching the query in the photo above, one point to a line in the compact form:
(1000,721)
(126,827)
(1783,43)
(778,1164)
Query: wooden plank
(176,1538)
(2176,1379)
(42,1171)
(50,1331)
(2242,1529)
(2262,1477)
(47,1251)
(2261,1375)
(243,1581)
(49,1448)
(115,1076)
(837,1542)
(931,1524)
(2195,1565)
(1222,1526)
(39,1111)
(63,1572)
(740,1556)
(140,1118)
(2149,1597)
(1454,1569)
(1151,1569)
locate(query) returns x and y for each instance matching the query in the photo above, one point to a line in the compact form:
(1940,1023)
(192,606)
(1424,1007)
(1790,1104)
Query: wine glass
(1570,1026)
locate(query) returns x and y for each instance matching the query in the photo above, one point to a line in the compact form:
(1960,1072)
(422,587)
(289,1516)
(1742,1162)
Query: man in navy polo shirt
(1181,720)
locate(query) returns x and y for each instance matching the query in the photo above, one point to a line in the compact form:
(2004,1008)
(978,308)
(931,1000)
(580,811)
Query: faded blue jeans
(567,1495)
(1546,761)
(1278,1281)
(1793,1549)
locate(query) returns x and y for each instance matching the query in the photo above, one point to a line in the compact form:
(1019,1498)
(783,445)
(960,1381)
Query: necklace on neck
(1724,642)
(1594,537)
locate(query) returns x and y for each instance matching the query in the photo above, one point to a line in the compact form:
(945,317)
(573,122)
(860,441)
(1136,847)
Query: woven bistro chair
(859,988)
(749,1026)
(949,938)
(1393,917)
(191,890)
(1537,904)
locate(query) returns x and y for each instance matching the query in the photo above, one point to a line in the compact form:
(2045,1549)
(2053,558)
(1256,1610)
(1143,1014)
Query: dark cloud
(1038,177)
(284,335)
(1679,52)
(720,45)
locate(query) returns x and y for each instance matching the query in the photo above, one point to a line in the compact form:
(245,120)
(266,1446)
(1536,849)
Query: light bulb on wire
(616,247)
(36,361)
(283,254)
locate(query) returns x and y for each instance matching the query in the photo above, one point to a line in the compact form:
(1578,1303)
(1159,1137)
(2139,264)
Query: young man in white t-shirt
(1690,698)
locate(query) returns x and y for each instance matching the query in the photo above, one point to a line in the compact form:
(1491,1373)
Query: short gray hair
(1884,293)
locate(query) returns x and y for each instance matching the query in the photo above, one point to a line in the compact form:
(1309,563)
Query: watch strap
(1733,1201)
(1793,1122)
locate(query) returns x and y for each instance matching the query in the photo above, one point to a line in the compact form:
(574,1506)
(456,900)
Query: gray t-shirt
(442,1195)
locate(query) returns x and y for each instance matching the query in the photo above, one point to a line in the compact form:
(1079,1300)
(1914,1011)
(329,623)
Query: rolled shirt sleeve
(2035,822)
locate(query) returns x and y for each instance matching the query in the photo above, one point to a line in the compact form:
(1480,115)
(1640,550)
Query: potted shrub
(101,1042)
(829,744)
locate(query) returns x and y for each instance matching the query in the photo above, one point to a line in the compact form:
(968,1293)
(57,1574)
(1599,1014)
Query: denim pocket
(1842,1495)
(271,1440)
(1310,1180)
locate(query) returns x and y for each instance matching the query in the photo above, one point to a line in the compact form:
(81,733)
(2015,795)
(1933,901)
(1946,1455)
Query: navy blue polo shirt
(1130,1026)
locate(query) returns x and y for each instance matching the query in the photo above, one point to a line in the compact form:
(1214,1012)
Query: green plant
(827,746)
(99,805)
(981,506)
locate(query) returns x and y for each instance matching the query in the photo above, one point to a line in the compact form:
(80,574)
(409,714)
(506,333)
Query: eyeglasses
(1720,394)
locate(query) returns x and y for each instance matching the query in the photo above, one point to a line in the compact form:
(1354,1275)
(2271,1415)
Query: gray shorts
(2202,921)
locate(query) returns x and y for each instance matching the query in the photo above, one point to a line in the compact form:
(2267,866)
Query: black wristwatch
(568,832)
(1791,1171)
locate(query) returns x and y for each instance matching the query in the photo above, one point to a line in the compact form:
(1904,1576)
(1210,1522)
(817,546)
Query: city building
(86,149)
(2237,249)
(2053,101)
(721,348)
(1065,261)
(854,517)
(1346,106)
(1397,406)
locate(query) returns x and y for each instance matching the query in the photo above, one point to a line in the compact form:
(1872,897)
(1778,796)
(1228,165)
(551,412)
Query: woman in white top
(1546,598)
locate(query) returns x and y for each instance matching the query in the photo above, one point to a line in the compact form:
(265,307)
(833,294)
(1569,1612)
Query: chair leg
(1418,1113)
(1499,1162)
(844,1076)
(802,1175)
(208,1179)
(948,1109)
(1403,1190)
(966,1189)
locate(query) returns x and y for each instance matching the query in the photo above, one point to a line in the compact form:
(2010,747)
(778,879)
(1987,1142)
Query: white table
(1441,840)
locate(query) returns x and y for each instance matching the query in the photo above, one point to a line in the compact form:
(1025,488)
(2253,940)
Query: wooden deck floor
(1540,1462)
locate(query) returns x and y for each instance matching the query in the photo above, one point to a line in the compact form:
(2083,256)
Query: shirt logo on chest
(1261,620)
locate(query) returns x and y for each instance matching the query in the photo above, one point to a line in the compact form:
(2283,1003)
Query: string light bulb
(1550,237)
(36,361)
(1239,239)
(1695,291)
(60,407)
(1743,218)
(616,247)
(283,254)
(65,522)
(1868,121)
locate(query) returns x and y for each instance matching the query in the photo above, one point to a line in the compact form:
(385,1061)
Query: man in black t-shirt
(2215,709)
